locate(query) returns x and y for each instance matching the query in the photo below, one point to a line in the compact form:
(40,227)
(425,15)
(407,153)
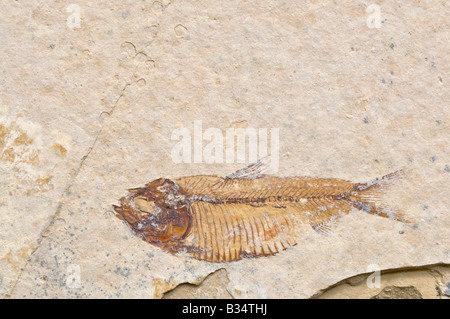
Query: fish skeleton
(246,214)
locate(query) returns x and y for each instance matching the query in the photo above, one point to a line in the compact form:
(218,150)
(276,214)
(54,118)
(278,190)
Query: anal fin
(326,227)
(325,215)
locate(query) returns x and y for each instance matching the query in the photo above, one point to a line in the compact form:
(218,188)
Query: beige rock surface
(88,106)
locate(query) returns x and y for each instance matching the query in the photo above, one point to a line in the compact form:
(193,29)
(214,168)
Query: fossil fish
(247,213)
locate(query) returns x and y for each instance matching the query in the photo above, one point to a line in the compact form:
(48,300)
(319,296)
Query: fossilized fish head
(157,212)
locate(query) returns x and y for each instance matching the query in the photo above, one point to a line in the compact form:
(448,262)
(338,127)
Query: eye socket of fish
(144,205)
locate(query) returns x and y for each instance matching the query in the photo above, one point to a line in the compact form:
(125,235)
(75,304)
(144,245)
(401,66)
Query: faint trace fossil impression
(246,214)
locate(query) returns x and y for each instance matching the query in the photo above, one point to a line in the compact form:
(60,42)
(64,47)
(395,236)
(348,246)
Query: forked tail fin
(369,197)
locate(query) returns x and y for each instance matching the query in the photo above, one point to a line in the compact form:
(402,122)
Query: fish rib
(223,235)
(257,233)
(209,234)
(252,243)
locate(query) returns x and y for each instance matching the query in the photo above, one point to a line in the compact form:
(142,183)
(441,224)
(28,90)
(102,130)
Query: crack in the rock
(111,110)
(54,217)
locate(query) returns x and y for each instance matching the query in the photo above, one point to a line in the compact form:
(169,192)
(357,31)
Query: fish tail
(369,197)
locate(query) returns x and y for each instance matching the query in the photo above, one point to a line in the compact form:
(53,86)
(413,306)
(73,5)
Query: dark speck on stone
(438,122)
(447,168)
(410,159)
(52,46)
(122,271)
(433,158)
(425,207)
(366,120)
(392,46)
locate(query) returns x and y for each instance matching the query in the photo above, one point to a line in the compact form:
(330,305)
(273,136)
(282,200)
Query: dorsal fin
(258,169)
